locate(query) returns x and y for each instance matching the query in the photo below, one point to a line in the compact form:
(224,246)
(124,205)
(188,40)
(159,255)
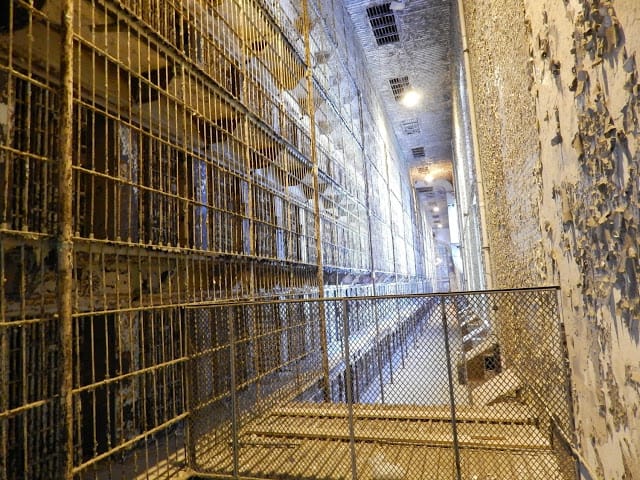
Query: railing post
(234,399)
(371,250)
(349,391)
(452,398)
(402,341)
(190,378)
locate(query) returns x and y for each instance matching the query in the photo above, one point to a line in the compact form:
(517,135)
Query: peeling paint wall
(557,94)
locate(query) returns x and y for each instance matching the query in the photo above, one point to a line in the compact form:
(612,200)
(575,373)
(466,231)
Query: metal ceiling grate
(383,24)
(411,127)
(398,86)
(418,152)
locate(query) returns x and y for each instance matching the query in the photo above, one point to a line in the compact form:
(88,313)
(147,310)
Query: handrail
(242,302)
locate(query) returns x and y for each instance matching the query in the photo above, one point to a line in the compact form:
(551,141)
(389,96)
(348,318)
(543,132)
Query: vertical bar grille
(398,86)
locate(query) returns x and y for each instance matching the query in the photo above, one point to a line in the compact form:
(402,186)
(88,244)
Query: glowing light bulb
(411,98)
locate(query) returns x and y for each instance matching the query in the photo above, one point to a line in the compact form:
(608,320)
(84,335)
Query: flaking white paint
(584,185)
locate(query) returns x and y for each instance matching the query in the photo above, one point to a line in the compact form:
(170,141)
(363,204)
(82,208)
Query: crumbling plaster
(557,94)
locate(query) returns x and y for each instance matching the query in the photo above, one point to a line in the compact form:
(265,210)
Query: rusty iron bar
(316,196)
(128,444)
(65,233)
(250,243)
(390,207)
(4,374)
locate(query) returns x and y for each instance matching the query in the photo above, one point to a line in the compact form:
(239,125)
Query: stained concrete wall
(557,100)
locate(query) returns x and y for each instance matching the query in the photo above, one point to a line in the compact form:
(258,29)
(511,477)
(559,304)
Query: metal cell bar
(65,234)
(316,198)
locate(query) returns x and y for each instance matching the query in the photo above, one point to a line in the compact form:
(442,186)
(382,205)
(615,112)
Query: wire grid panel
(30,346)
(435,385)
(491,340)
(469,377)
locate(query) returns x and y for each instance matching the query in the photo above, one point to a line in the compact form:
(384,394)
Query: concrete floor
(420,373)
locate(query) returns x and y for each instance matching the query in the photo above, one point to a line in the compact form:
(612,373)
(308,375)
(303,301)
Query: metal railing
(464,385)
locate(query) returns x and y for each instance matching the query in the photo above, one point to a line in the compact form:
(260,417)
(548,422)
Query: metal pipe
(486,251)
(349,392)
(316,199)
(65,234)
(390,354)
(452,398)
(419,259)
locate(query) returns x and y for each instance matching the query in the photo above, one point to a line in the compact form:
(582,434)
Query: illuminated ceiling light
(439,225)
(436,209)
(428,178)
(397,5)
(410,98)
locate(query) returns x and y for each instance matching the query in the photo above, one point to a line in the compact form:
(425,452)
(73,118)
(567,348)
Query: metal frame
(483,412)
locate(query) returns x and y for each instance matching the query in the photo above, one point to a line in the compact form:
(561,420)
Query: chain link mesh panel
(469,385)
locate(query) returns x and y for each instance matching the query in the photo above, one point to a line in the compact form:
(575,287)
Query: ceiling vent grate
(398,86)
(418,152)
(383,23)
(411,127)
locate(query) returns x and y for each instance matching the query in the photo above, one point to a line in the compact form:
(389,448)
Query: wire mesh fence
(469,385)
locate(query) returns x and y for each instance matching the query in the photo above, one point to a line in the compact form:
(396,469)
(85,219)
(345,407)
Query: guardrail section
(465,385)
